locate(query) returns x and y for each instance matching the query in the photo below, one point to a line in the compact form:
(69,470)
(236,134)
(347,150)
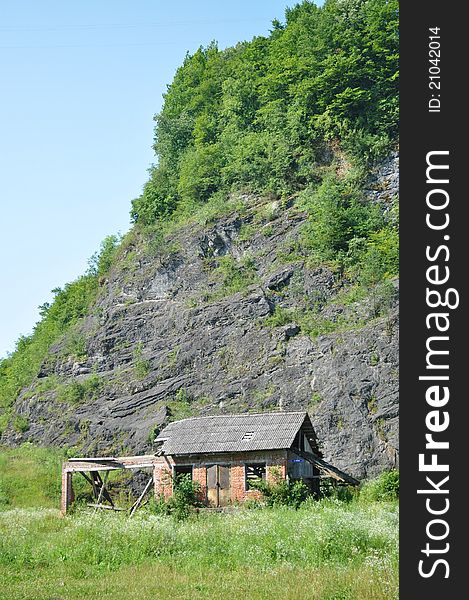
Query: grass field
(327,550)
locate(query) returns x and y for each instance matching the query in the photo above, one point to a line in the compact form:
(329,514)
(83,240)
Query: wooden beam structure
(111,463)
(139,500)
(325,468)
(91,468)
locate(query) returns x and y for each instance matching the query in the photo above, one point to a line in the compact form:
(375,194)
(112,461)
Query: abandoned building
(224,454)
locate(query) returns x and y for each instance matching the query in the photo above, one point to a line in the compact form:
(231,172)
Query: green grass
(326,550)
(77,392)
(30,476)
(311,322)
(235,276)
(151,581)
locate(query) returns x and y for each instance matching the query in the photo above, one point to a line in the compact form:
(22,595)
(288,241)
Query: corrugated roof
(232,433)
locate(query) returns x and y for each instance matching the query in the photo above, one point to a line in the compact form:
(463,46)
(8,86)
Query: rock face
(212,321)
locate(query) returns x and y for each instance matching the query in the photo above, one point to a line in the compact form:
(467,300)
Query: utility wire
(28,28)
(166,43)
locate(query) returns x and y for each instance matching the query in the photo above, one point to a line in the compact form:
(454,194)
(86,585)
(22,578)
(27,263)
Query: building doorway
(218,485)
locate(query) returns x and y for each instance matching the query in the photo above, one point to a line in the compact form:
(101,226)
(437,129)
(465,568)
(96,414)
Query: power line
(28,28)
(166,43)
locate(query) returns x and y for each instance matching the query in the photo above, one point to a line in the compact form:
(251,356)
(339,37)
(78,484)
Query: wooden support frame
(94,466)
(138,502)
(329,471)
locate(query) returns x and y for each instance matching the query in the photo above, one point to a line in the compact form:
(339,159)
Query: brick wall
(275,461)
(162,479)
(67,491)
(199,474)
(238,493)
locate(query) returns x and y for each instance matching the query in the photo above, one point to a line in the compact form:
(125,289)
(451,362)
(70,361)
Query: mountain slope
(171,337)
(261,269)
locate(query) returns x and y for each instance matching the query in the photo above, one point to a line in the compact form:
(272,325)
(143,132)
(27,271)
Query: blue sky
(80,84)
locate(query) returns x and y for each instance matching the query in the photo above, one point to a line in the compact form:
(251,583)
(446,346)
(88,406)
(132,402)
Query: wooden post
(137,503)
(101,491)
(67,491)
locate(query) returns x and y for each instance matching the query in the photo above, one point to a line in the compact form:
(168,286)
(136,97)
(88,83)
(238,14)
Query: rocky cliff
(226,315)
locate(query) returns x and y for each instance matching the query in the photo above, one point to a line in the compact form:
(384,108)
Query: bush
(158,506)
(338,218)
(200,174)
(384,488)
(20,424)
(84,391)
(4,420)
(142,367)
(342,493)
(236,275)
(281,492)
(185,498)
(101,262)
(280,316)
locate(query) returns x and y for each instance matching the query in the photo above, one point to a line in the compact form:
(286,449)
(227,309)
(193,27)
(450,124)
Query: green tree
(257,116)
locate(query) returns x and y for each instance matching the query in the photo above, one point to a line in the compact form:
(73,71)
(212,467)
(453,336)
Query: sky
(80,83)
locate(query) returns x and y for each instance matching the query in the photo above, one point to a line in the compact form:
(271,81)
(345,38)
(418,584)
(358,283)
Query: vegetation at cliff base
(342,548)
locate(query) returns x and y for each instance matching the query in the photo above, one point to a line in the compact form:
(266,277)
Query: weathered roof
(233,433)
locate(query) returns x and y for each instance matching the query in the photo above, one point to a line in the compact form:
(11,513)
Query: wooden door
(218,485)
(224,491)
(212,488)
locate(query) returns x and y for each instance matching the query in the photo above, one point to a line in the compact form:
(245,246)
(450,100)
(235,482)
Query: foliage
(142,366)
(77,392)
(344,228)
(101,262)
(338,493)
(31,476)
(383,488)
(235,275)
(311,321)
(281,492)
(4,420)
(71,303)
(259,116)
(270,553)
(353,236)
(180,406)
(20,424)
(280,316)
(185,497)
(58,319)
(75,344)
